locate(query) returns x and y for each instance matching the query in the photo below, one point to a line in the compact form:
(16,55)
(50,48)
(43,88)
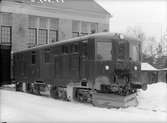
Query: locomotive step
(114,101)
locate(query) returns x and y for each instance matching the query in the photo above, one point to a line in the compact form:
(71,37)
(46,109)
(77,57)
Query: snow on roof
(147,67)
(164,69)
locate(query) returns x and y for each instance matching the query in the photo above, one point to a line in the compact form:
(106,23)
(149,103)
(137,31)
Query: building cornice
(65,13)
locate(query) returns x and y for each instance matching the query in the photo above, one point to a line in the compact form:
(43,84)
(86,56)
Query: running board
(114,101)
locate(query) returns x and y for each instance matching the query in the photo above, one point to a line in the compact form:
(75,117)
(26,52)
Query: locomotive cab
(117,65)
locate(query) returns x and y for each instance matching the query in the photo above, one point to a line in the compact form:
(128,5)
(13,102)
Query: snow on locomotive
(102,69)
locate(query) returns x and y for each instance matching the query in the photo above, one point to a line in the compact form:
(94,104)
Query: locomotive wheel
(54,92)
(83,96)
(29,88)
(64,96)
(18,86)
(36,89)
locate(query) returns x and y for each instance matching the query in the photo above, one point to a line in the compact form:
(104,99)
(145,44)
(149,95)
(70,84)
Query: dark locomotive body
(5,64)
(74,69)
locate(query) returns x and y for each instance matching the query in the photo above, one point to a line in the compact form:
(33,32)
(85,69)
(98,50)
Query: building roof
(163,69)
(147,67)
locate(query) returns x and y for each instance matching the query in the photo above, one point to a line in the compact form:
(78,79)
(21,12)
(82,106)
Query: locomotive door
(83,59)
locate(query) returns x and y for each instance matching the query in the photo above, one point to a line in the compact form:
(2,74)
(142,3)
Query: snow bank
(18,107)
(154,98)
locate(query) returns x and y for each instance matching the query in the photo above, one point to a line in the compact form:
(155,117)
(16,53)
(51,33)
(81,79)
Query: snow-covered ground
(19,107)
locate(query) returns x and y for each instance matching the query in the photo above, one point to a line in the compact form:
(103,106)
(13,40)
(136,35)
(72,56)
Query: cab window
(134,52)
(104,50)
(121,50)
(47,56)
(33,58)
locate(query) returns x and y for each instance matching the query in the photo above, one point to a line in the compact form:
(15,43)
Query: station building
(162,76)
(28,23)
(149,73)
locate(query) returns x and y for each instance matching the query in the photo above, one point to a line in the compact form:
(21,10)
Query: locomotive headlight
(107,67)
(135,67)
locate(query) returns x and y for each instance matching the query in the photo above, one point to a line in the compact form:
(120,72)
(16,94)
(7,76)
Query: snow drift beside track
(21,107)
(154,98)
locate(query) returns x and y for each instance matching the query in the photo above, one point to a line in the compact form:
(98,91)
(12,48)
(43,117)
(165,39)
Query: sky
(149,15)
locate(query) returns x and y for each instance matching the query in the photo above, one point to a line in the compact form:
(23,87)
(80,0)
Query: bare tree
(136,32)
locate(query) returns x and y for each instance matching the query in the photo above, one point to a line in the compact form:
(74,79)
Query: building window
(53,32)
(93,27)
(75,34)
(105,28)
(6,19)
(54,24)
(5,34)
(53,36)
(32,36)
(42,30)
(75,28)
(43,23)
(32,31)
(32,22)
(42,36)
(83,34)
(85,28)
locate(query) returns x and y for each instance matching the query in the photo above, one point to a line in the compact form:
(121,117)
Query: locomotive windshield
(121,50)
(104,50)
(134,52)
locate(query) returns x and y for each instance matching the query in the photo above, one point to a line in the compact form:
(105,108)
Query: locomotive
(102,69)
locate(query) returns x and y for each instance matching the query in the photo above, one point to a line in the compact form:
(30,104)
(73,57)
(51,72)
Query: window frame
(50,35)
(103,40)
(43,41)
(33,57)
(125,50)
(35,29)
(2,35)
(75,34)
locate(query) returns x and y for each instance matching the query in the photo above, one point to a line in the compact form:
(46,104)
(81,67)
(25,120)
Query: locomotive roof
(106,35)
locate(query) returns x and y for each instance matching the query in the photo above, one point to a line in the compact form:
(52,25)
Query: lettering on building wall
(50,1)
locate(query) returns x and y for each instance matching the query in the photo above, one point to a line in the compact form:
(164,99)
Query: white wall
(19,32)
